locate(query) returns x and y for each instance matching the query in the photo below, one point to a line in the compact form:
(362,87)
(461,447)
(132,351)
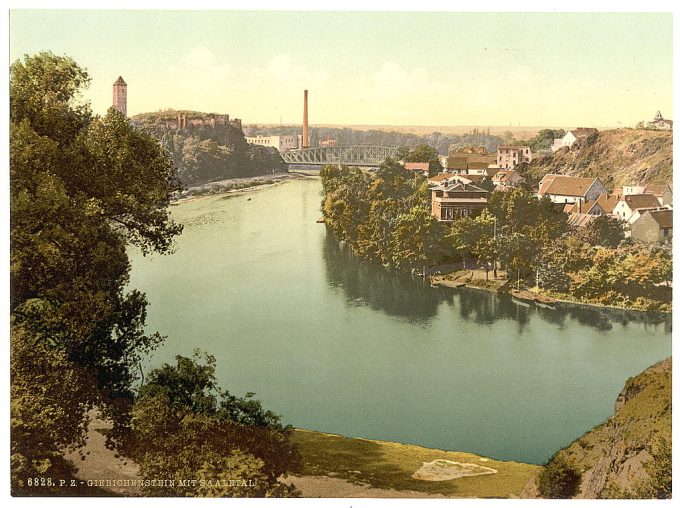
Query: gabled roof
(607,203)
(120,81)
(656,189)
(560,185)
(635,201)
(663,217)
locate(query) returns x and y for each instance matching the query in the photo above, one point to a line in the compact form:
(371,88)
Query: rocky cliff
(611,458)
(618,157)
(207,147)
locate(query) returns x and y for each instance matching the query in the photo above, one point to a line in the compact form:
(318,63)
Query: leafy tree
(416,239)
(604,231)
(82,187)
(424,153)
(207,434)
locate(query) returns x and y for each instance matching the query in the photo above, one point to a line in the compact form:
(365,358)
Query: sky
(371,68)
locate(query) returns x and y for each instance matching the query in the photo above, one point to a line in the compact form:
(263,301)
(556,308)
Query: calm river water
(337,345)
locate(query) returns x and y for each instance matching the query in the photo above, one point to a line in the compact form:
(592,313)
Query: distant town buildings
(120,95)
(577,136)
(418,167)
(506,179)
(658,123)
(507,157)
(282,143)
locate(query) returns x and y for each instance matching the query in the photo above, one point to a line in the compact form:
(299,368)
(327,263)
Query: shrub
(559,480)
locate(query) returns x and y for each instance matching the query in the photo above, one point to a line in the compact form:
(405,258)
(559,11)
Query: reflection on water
(339,345)
(416,301)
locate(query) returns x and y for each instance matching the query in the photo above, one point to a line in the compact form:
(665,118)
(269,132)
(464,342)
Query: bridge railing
(351,155)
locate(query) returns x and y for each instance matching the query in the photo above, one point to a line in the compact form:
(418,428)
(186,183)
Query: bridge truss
(358,155)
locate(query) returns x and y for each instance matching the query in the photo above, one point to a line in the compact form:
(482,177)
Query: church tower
(120,96)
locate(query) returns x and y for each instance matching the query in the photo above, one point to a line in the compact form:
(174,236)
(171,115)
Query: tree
(207,434)
(81,188)
(604,230)
(424,153)
(416,239)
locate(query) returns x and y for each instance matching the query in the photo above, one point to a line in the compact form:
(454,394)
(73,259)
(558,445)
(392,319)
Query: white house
(627,205)
(580,134)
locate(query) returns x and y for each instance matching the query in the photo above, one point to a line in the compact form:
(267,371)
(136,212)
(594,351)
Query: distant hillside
(210,147)
(618,157)
(611,458)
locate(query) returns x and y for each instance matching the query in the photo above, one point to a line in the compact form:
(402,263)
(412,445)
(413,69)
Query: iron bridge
(358,155)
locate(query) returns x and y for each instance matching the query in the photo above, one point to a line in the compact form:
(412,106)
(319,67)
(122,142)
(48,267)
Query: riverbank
(481,280)
(335,466)
(235,186)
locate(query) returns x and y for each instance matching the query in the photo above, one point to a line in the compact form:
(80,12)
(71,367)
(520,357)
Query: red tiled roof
(417,166)
(607,203)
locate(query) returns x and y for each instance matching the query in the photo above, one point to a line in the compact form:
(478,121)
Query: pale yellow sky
(434,68)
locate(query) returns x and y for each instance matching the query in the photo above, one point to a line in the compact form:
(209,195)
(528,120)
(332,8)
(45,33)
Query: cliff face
(611,457)
(208,147)
(617,157)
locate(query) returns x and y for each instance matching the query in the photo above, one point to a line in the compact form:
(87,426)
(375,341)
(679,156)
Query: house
(463,162)
(577,135)
(659,123)
(508,157)
(434,181)
(641,211)
(570,189)
(663,193)
(654,226)
(457,198)
(506,178)
(607,203)
(627,205)
(418,167)
(556,144)
(591,207)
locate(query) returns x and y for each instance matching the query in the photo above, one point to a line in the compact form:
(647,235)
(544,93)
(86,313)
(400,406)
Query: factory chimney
(305,125)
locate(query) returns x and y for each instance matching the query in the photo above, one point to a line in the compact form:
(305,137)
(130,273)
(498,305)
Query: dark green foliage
(604,231)
(559,479)
(207,434)
(424,153)
(82,187)
(205,153)
(384,218)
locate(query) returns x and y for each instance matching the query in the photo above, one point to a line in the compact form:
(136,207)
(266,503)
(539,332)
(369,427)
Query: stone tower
(120,96)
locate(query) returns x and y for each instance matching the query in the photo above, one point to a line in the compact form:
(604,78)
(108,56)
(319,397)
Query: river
(338,345)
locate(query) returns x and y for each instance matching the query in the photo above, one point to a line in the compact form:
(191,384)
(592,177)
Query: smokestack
(305,125)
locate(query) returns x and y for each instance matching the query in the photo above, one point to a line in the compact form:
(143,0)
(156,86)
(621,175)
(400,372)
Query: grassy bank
(389,465)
